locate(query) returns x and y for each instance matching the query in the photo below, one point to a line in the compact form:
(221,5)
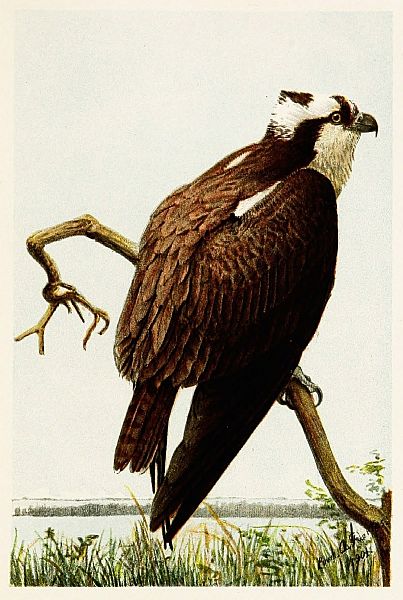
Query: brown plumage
(227,303)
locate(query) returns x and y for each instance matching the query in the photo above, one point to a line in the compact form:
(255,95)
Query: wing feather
(214,311)
(220,421)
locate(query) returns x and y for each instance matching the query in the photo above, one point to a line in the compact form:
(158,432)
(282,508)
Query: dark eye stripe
(348,110)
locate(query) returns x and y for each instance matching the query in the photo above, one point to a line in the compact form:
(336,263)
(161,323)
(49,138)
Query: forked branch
(56,292)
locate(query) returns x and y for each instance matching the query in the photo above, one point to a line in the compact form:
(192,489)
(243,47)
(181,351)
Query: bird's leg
(56,292)
(307,383)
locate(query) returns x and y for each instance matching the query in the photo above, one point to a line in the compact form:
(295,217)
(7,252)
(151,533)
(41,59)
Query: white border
(7,10)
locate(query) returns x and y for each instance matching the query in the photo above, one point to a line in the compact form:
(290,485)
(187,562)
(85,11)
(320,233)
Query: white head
(334,124)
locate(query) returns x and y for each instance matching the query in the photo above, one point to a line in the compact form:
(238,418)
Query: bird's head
(332,124)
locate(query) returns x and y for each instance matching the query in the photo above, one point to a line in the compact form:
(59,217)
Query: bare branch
(376,520)
(39,328)
(56,292)
(85,225)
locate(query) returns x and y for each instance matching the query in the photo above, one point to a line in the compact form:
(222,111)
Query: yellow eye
(336,118)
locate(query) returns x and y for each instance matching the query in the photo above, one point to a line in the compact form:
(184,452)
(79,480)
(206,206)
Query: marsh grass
(221,556)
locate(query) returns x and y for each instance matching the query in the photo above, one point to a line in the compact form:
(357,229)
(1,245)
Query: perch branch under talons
(56,292)
(376,520)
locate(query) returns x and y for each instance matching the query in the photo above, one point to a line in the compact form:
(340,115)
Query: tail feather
(144,426)
(157,467)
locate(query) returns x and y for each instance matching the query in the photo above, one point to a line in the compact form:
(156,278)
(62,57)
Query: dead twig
(56,292)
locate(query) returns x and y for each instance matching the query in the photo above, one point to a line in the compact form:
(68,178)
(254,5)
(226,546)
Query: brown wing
(291,287)
(161,288)
(193,320)
(204,289)
(188,318)
(188,217)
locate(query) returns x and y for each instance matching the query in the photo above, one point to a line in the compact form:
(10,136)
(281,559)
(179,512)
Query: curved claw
(319,394)
(285,400)
(309,385)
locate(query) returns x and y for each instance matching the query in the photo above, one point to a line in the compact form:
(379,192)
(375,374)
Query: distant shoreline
(225,507)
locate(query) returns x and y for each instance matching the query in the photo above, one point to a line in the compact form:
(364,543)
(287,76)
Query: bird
(234,272)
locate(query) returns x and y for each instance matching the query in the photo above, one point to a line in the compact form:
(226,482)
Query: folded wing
(237,301)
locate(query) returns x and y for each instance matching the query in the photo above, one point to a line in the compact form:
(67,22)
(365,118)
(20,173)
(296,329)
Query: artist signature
(355,546)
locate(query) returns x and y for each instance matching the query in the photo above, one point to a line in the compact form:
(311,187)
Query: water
(31,528)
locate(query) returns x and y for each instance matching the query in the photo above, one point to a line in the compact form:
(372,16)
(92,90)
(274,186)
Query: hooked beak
(365,123)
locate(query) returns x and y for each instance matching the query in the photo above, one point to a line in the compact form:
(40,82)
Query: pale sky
(112,112)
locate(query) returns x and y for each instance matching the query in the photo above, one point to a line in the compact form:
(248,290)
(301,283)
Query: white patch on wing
(334,154)
(249,203)
(287,115)
(236,161)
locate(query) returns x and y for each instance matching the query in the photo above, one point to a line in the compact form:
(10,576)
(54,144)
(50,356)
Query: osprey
(234,272)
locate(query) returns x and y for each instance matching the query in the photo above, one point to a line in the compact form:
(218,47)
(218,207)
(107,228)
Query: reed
(223,555)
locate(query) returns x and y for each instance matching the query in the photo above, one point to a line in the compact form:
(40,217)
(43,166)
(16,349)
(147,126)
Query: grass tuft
(221,556)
